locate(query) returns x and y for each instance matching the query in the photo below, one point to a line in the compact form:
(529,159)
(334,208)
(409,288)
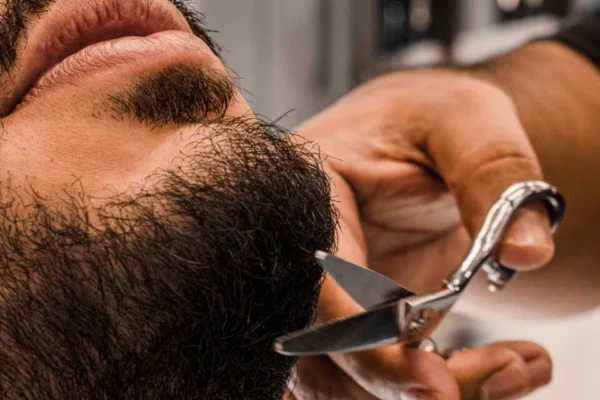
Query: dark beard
(174,292)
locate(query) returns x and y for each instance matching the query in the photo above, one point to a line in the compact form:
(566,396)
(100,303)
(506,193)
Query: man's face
(155,237)
(104,91)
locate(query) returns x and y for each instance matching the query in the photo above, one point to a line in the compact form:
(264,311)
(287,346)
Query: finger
(501,370)
(396,373)
(512,250)
(480,148)
(389,372)
(319,378)
(334,302)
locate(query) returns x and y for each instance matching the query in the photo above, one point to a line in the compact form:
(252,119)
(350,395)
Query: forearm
(555,85)
(556,92)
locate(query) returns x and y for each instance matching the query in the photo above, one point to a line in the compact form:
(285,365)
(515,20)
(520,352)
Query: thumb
(501,370)
(480,148)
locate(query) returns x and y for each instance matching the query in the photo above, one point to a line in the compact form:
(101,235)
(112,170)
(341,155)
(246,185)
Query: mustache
(19,13)
(177,95)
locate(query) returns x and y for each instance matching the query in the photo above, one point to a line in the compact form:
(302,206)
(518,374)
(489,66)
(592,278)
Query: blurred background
(295,57)
(301,55)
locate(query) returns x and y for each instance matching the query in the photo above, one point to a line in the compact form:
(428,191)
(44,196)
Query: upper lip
(69,26)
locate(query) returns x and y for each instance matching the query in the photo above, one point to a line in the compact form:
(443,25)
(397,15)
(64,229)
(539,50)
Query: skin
(393,161)
(71,132)
(416,160)
(155,236)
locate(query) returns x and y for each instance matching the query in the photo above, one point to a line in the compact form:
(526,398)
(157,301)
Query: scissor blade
(367,287)
(363,331)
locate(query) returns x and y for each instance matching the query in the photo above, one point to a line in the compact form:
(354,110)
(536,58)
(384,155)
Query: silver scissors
(395,314)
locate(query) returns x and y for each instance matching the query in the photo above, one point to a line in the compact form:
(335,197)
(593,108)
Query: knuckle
(542,353)
(519,377)
(498,159)
(511,358)
(498,164)
(514,368)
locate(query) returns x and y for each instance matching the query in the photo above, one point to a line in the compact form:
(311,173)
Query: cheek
(53,159)
(55,144)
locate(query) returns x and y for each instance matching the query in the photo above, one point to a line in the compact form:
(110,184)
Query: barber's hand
(416,160)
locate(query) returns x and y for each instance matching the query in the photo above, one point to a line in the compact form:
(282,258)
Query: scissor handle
(481,252)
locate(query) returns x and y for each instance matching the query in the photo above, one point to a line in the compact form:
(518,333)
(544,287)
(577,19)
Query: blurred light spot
(508,5)
(420,18)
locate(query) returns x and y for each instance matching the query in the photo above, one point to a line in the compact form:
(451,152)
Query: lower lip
(127,55)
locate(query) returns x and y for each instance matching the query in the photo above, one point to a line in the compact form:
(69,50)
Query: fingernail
(532,229)
(540,372)
(528,242)
(504,384)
